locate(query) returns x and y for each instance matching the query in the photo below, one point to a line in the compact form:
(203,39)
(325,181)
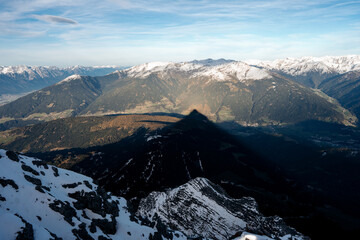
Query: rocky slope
(39,201)
(200,208)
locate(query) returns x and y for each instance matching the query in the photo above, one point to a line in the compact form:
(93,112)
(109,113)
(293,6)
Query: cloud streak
(55,19)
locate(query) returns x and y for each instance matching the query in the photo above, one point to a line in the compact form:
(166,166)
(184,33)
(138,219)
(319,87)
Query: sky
(125,33)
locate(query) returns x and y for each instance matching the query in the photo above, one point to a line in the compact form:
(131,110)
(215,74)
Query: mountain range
(223,90)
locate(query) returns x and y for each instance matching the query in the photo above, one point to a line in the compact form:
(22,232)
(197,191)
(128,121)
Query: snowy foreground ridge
(40,201)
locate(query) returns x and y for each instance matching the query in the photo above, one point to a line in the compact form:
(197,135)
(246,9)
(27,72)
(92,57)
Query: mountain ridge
(311,71)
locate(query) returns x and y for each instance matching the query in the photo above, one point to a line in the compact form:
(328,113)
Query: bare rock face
(201,208)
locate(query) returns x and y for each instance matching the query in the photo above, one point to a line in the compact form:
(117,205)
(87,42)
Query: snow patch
(153,137)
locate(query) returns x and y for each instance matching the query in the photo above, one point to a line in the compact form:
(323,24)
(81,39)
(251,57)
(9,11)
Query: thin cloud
(55,19)
(177,30)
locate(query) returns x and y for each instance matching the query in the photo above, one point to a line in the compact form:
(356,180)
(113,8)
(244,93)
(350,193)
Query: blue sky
(122,32)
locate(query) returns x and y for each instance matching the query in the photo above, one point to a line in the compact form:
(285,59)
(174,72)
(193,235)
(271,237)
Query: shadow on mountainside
(288,176)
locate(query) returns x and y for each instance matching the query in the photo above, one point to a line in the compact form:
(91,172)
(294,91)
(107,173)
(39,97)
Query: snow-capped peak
(70,78)
(304,65)
(239,70)
(28,72)
(18,69)
(146,69)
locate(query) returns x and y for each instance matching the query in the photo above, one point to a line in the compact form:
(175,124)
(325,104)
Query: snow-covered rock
(201,208)
(39,201)
(251,236)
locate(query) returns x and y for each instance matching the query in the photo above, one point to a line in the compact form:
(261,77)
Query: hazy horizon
(248,61)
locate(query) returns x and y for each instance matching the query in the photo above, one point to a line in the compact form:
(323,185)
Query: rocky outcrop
(201,208)
(12,156)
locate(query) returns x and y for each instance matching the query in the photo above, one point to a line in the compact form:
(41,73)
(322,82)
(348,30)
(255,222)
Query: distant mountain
(17,80)
(311,71)
(212,62)
(39,201)
(229,91)
(346,89)
(201,208)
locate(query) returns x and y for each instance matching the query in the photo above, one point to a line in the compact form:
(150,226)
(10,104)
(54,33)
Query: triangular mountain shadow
(192,147)
(166,158)
(195,147)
